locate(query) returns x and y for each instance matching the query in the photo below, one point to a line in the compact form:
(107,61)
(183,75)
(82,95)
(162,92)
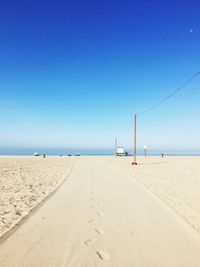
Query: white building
(120,151)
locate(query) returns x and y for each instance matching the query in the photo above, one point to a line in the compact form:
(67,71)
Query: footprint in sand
(89,242)
(99,231)
(100,213)
(92,221)
(103,255)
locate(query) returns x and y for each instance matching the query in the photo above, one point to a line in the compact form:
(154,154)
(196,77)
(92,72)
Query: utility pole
(145,150)
(115,145)
(134,162)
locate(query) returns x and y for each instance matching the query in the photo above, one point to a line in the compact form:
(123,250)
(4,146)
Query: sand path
(102,217)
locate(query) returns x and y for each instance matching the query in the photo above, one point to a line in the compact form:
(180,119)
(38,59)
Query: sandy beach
(175,180)
(26,181)
(106,213)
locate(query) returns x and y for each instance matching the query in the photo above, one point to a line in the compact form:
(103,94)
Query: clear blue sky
(72,73)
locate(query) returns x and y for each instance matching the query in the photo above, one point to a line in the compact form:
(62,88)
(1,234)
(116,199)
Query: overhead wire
(170,95)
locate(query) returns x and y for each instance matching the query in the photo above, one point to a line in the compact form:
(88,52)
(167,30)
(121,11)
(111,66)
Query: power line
(170,95)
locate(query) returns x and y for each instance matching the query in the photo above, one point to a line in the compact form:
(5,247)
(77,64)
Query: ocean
(92,152)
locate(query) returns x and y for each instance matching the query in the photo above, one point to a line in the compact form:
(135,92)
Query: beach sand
(175,180)
(107,212)
(26,181)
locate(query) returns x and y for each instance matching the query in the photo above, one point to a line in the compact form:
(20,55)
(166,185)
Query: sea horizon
(92,152)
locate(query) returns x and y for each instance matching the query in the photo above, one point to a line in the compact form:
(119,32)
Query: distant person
(162,155)
(44,155)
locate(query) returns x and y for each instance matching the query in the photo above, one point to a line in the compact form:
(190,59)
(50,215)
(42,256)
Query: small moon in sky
(191,30)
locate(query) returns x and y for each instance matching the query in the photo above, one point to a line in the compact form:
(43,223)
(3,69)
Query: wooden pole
(134,162)
(145,151)
(135,138)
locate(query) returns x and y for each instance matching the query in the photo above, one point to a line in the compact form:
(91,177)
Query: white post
(116,146)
